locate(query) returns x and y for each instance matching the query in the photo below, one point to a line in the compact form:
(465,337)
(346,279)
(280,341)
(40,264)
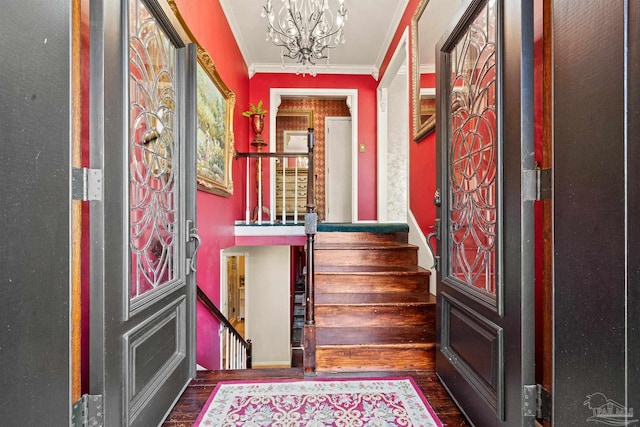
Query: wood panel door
(142,287)
(35,207)
(596,212)
(485,281)
(339,169)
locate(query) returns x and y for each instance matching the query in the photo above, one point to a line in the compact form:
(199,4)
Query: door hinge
(536,184)
(88,411)
(86,184)
(537,402)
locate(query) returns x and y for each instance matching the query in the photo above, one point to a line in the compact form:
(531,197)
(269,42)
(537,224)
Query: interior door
(35,160)
(142,293)
(338,147)
(485,343)
(596,212)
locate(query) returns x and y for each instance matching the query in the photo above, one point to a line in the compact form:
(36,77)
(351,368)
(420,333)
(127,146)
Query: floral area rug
(319,403)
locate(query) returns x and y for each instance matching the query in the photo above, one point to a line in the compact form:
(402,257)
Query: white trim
(319,69)
(272,364)
(399,59)
(425,257)
(265,230)
(391,31)
(427,91)
(225,254)
(275,100)
(428,69)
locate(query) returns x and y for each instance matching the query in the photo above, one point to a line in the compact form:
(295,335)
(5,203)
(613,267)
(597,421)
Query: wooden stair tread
(372,270)
(364,246)
(391,298)
(341,336)
(372,303)
(410,346)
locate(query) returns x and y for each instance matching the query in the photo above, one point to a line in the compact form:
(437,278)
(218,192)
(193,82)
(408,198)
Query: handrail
(260,207)
(269,154)
(225,322)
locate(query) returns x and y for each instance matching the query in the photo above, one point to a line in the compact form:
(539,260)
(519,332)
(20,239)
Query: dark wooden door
(485,345)
(143,286)
(596,212)
(35,209)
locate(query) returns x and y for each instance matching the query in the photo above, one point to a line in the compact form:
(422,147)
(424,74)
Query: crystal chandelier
(305,29)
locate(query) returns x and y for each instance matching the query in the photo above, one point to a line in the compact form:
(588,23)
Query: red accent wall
(216,215)
(261,84)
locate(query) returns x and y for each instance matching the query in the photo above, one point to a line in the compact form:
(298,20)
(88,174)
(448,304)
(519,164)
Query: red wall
(216,215)
(261,84)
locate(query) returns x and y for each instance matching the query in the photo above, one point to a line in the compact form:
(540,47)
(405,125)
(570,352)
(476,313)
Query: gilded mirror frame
(420,129)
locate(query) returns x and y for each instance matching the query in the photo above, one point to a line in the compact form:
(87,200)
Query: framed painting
(214,142)
(214,133)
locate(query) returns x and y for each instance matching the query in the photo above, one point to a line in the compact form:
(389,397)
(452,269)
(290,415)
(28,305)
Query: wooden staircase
(373,309)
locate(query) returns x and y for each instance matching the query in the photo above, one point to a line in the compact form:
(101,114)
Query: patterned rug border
(413,383)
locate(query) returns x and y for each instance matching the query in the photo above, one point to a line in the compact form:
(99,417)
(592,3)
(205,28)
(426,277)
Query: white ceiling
(370,27)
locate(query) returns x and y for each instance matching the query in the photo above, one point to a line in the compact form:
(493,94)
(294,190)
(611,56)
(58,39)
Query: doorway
(350,97)
(233,289)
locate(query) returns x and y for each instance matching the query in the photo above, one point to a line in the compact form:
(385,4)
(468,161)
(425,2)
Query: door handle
(435,233)
(192,234)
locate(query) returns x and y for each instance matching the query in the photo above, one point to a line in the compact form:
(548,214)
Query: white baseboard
(271,364)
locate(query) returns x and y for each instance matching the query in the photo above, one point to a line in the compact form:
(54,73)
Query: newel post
(311,226)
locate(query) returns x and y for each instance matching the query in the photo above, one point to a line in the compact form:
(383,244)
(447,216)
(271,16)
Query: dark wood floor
(195,396)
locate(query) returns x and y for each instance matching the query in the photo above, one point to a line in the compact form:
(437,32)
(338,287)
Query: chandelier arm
(298,30)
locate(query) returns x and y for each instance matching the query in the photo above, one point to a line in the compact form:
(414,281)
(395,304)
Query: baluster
(295,193)
(310,230)
(247,216)
(228,341)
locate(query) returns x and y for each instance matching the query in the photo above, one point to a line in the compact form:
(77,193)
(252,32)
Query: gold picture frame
(214,141)
(215,104)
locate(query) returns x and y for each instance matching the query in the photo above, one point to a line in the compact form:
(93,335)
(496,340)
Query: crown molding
(428,69)
(318,69)
(391,31)
(237,34)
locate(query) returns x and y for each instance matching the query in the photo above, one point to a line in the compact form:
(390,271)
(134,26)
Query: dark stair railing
(237,351)
(311,228)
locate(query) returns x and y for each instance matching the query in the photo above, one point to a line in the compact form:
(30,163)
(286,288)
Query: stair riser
(370,283)
(423,334)
(368,257)
(371,358)
(372,316)
(360,237)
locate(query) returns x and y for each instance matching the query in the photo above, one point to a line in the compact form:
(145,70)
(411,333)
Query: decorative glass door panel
(143,134)
(473,154)
(485,285)
(153,153)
